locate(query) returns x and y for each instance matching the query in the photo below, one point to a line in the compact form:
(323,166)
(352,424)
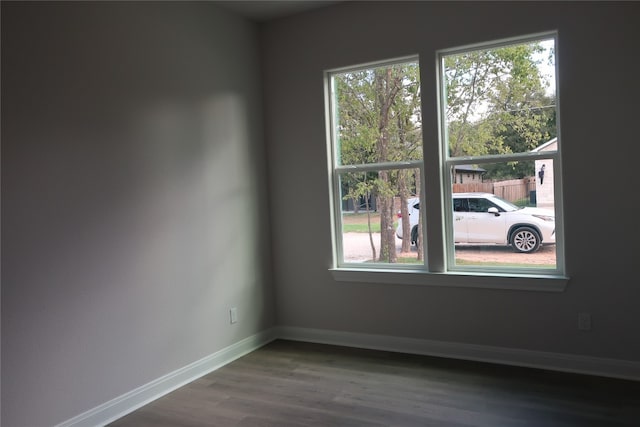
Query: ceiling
(271,9)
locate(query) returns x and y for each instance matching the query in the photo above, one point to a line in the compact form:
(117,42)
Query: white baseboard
(612,368)
(128,402)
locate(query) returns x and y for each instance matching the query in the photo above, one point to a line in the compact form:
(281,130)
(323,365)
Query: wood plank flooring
(294,384)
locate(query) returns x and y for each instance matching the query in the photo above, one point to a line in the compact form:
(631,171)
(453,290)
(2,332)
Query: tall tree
(388,83)
(379,123)
(496,101)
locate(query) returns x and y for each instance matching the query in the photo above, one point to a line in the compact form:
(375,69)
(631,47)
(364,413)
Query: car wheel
(414,235)
(525,240)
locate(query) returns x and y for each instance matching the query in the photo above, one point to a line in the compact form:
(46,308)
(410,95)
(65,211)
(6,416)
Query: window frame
(438,267)
(335,169)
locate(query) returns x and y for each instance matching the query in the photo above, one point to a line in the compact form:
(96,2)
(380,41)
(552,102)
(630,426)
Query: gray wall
(599,90)
(134,210)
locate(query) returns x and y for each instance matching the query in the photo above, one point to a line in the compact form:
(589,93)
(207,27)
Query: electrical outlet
(233,315)
(584,321)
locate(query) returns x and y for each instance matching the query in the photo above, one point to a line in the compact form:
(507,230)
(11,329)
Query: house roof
(546,145)
(469,168)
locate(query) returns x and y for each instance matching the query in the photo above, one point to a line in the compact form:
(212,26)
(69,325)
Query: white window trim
(436,271)
(453,279)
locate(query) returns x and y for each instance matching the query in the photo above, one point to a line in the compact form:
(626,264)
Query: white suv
(484,218)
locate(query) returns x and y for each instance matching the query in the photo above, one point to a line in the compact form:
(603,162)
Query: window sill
(524,282)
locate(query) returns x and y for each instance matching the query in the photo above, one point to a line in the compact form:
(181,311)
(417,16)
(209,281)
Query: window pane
(500,100)
(505,216)
(376,201)
(377,115)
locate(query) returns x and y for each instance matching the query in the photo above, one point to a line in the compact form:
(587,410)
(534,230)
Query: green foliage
(375,104)
(496,104)
(378,117)
(361,228)
(523,203)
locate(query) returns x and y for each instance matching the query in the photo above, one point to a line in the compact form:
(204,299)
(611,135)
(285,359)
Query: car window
(460,205)
(504,205)
(481,205)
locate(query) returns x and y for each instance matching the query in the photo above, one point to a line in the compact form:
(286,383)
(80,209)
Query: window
(377,162)
(498,125)
(499,113)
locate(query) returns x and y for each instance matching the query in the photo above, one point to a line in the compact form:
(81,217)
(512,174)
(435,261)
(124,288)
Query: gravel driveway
(357,246)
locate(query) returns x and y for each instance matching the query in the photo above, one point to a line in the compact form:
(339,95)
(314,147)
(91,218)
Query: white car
(484,218)
(413,207)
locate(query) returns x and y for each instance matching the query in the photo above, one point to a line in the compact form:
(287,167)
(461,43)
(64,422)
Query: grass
(360,228)
(359,218)
(524,203)
(357,222)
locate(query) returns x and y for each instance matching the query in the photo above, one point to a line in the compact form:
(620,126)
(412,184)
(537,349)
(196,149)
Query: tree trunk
(387,88)
(373,246)
(387,233)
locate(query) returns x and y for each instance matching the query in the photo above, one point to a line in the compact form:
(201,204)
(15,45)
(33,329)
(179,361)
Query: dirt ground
(357,248)
(544,255)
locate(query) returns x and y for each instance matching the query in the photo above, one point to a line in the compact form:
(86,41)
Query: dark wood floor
(287,384)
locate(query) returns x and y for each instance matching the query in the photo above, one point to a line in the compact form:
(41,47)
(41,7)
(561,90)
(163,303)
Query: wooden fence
(512,190)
